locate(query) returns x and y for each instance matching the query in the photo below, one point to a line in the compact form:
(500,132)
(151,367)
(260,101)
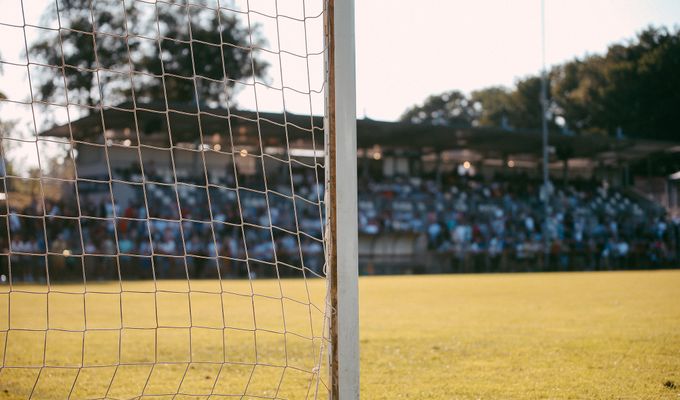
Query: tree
(491,107)
(525,104)
(162,50)
(4,127)
(451,108)
(494,105)
(578,93)
(633,88)
(644,92)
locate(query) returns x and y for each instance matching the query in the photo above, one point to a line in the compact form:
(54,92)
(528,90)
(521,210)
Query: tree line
(632,90)
(109,52)
(114,51)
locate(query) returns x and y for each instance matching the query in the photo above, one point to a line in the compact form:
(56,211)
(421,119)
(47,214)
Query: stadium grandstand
(432,199)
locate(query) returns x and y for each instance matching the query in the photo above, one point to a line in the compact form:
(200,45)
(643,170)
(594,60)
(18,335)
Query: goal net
(164,228)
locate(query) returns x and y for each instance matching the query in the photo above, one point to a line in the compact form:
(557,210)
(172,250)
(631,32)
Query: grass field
(612,335)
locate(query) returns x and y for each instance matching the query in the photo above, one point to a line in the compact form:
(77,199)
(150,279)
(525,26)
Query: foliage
(494,105)
(106,50)
(633,89)
(450,108)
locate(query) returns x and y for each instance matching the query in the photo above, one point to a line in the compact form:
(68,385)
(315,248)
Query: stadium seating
(410,224)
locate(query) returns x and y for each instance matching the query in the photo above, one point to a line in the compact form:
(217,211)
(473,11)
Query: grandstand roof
(274,128)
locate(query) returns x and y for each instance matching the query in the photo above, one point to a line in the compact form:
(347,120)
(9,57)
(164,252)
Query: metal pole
(544,130)
(342,185)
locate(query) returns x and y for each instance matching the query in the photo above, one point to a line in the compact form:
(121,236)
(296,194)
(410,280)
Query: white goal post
(178,200)
(343,214)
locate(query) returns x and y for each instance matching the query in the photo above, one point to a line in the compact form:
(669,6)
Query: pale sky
(407,50)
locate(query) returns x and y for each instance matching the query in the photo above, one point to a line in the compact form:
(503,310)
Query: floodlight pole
(546,156)
(341,170)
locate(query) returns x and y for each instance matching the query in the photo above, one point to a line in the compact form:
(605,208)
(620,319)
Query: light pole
(545,193)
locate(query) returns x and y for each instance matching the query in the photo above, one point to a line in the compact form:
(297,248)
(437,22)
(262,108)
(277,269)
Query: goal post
(178,200)
(342,177)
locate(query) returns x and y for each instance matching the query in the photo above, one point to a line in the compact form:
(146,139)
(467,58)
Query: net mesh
(162,207)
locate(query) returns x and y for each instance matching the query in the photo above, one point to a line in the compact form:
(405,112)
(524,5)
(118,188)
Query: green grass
(612,335)
(190,353)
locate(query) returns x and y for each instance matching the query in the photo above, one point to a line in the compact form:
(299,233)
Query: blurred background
(454,174)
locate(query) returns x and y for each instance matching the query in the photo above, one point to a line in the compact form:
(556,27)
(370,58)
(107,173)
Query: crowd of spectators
(502,225)
(131,229)
(134,231)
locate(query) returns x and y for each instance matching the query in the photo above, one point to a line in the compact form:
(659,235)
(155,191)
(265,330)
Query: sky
(407,50)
